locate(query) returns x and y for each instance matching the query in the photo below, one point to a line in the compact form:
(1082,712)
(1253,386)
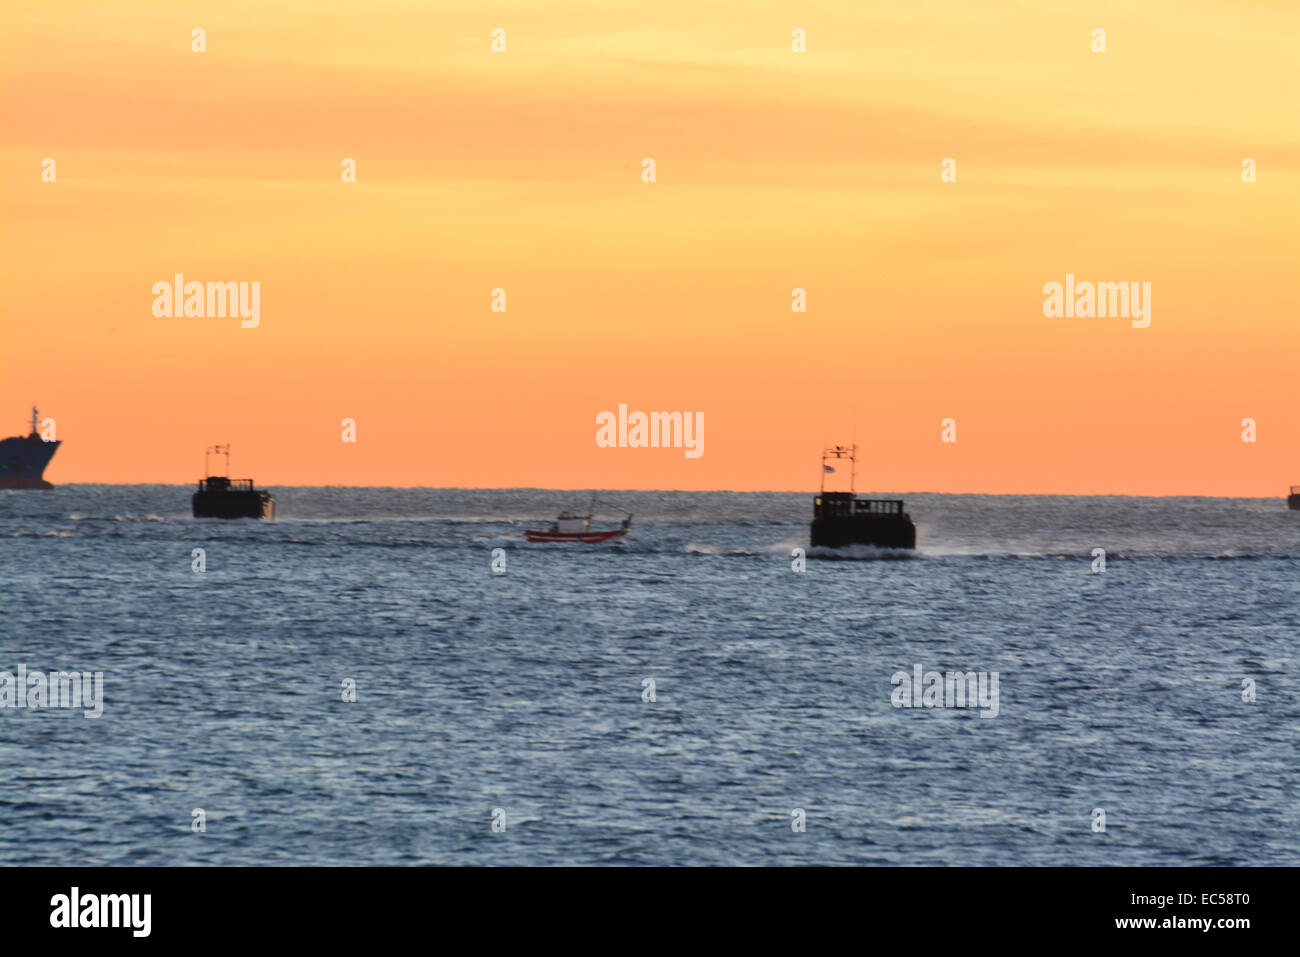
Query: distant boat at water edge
(842,518)
(220,496)
(23,458)
(577,528)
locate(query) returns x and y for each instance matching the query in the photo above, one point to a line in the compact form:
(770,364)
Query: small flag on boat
(828,468)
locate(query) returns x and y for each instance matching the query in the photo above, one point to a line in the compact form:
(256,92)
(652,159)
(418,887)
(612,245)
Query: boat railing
(1295,489)
(878,506)
(219,483)
(844,505)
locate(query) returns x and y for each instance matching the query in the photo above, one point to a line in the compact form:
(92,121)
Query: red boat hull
(588,538)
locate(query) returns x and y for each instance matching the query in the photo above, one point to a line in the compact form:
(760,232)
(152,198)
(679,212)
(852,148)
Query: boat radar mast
(849,452)
(216,450)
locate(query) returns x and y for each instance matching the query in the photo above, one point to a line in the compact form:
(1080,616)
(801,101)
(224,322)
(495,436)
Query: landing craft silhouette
(841,518)
(220,496)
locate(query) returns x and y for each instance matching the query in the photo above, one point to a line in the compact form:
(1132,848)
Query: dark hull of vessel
(23,460)
(1293,502)
(586,538)
(235,504)
(881,531)
(23,481)
(841,519)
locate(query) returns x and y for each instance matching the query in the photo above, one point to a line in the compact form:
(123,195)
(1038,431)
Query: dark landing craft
(841,518)
(1293,500)
(23,458)
(220,496)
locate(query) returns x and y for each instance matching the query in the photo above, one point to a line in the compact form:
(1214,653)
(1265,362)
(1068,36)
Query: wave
(865,553)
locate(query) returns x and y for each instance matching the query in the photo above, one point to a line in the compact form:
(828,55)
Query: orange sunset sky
(775,170)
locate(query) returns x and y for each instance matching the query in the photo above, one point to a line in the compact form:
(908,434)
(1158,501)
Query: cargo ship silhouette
(220,496)
(841,518)
(23,458)
(1293,500)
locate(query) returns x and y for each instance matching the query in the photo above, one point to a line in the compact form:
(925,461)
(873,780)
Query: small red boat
(577,528)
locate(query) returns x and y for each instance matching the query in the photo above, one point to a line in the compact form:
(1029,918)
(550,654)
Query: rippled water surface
(523,691)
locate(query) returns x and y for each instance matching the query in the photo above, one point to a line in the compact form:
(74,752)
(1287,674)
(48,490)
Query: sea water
(394,676)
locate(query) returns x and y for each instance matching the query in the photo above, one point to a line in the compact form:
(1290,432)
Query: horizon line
(540,488)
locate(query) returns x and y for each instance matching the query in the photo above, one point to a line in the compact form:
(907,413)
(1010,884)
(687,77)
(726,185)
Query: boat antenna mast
(35,421)
(216,450)
(849,452)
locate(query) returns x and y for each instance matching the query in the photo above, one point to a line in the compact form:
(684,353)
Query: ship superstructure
(23,458)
